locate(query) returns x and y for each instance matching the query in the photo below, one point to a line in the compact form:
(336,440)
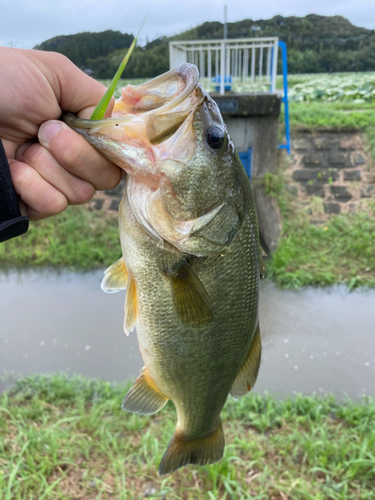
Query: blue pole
(284,56)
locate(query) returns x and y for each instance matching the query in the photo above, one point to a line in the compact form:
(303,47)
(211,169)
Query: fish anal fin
(182,452)
(115,277)
(144,397)
(247,376)
(131,306)
(191,300)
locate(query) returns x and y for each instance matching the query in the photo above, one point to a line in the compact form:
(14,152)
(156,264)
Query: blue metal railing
(284,60)
(245,158)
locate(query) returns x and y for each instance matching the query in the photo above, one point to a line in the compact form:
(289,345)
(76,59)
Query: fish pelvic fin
(248,374)
(182,452)
(191,300)
(144,397)
(115,277)
(131,306)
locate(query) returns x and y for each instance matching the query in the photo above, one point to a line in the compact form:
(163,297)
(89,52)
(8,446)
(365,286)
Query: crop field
(331,87)
(356,87)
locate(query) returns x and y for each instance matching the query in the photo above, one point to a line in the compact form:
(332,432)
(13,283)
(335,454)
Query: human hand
(62,168)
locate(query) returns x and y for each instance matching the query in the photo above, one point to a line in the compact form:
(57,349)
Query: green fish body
(191,257)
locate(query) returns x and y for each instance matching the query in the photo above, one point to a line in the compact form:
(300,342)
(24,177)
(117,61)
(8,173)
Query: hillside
(84,46)
(315,44)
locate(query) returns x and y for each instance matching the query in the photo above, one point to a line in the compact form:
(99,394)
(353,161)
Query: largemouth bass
(191,257)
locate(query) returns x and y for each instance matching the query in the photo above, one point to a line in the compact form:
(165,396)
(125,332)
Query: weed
(273,184)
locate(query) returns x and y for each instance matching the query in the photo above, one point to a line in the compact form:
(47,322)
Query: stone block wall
(334,167)
(108,200)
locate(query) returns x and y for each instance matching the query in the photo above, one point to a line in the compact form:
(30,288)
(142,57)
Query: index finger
(76,155)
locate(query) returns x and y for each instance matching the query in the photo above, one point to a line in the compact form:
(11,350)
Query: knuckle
(34,154)
(83,193)
(73,157)
(111,178)
(55,204)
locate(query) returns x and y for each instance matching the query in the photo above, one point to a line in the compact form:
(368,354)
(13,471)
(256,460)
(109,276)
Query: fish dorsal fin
(144,397)
(247,376)
(130,306)
(115,277)
(191,300)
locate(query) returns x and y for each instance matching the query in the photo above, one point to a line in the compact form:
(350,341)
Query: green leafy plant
(100,109)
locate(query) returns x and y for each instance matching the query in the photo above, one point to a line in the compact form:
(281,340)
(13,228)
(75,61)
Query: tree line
(316,44)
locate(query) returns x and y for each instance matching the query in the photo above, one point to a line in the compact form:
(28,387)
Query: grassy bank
(66,438)
(346,116)
(341,251)
(76,239)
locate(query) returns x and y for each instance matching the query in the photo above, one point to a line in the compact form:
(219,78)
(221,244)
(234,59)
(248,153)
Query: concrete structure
(252,121)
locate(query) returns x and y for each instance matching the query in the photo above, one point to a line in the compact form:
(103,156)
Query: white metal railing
(242,59)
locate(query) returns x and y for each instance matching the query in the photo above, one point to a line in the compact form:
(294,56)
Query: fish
(191,258)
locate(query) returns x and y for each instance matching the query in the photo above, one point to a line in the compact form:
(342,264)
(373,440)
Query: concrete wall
(252,121)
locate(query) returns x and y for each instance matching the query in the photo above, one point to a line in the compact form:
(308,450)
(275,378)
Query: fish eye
(215,137)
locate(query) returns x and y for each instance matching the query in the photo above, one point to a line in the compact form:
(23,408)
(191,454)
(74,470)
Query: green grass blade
(100,109)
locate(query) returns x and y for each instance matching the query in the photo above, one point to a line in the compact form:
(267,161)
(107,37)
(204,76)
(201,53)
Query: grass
(76,239)
(333,115)
(64,438)
(341,251)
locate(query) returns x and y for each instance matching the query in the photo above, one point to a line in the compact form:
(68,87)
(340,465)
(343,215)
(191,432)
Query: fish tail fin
(182,452)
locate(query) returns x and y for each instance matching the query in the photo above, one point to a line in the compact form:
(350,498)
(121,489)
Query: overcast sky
(25,23)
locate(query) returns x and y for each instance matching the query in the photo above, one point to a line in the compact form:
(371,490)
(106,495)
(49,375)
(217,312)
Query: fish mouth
(161,105)
(154,133)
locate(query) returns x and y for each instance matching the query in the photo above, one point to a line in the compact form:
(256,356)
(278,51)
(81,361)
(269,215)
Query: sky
(25,23)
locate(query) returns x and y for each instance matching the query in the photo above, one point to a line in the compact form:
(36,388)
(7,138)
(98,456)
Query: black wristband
(12,223)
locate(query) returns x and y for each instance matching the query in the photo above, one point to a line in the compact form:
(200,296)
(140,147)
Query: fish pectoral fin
(247,376)
(144,397)
(191,300)
(203,451)
(131,306)
(115,277)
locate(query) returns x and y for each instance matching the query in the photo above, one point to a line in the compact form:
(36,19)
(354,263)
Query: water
(314,340)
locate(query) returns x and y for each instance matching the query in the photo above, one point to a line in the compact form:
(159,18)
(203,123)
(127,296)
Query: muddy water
(313,340)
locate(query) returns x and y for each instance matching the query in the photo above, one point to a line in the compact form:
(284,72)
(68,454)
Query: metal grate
(226,62)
